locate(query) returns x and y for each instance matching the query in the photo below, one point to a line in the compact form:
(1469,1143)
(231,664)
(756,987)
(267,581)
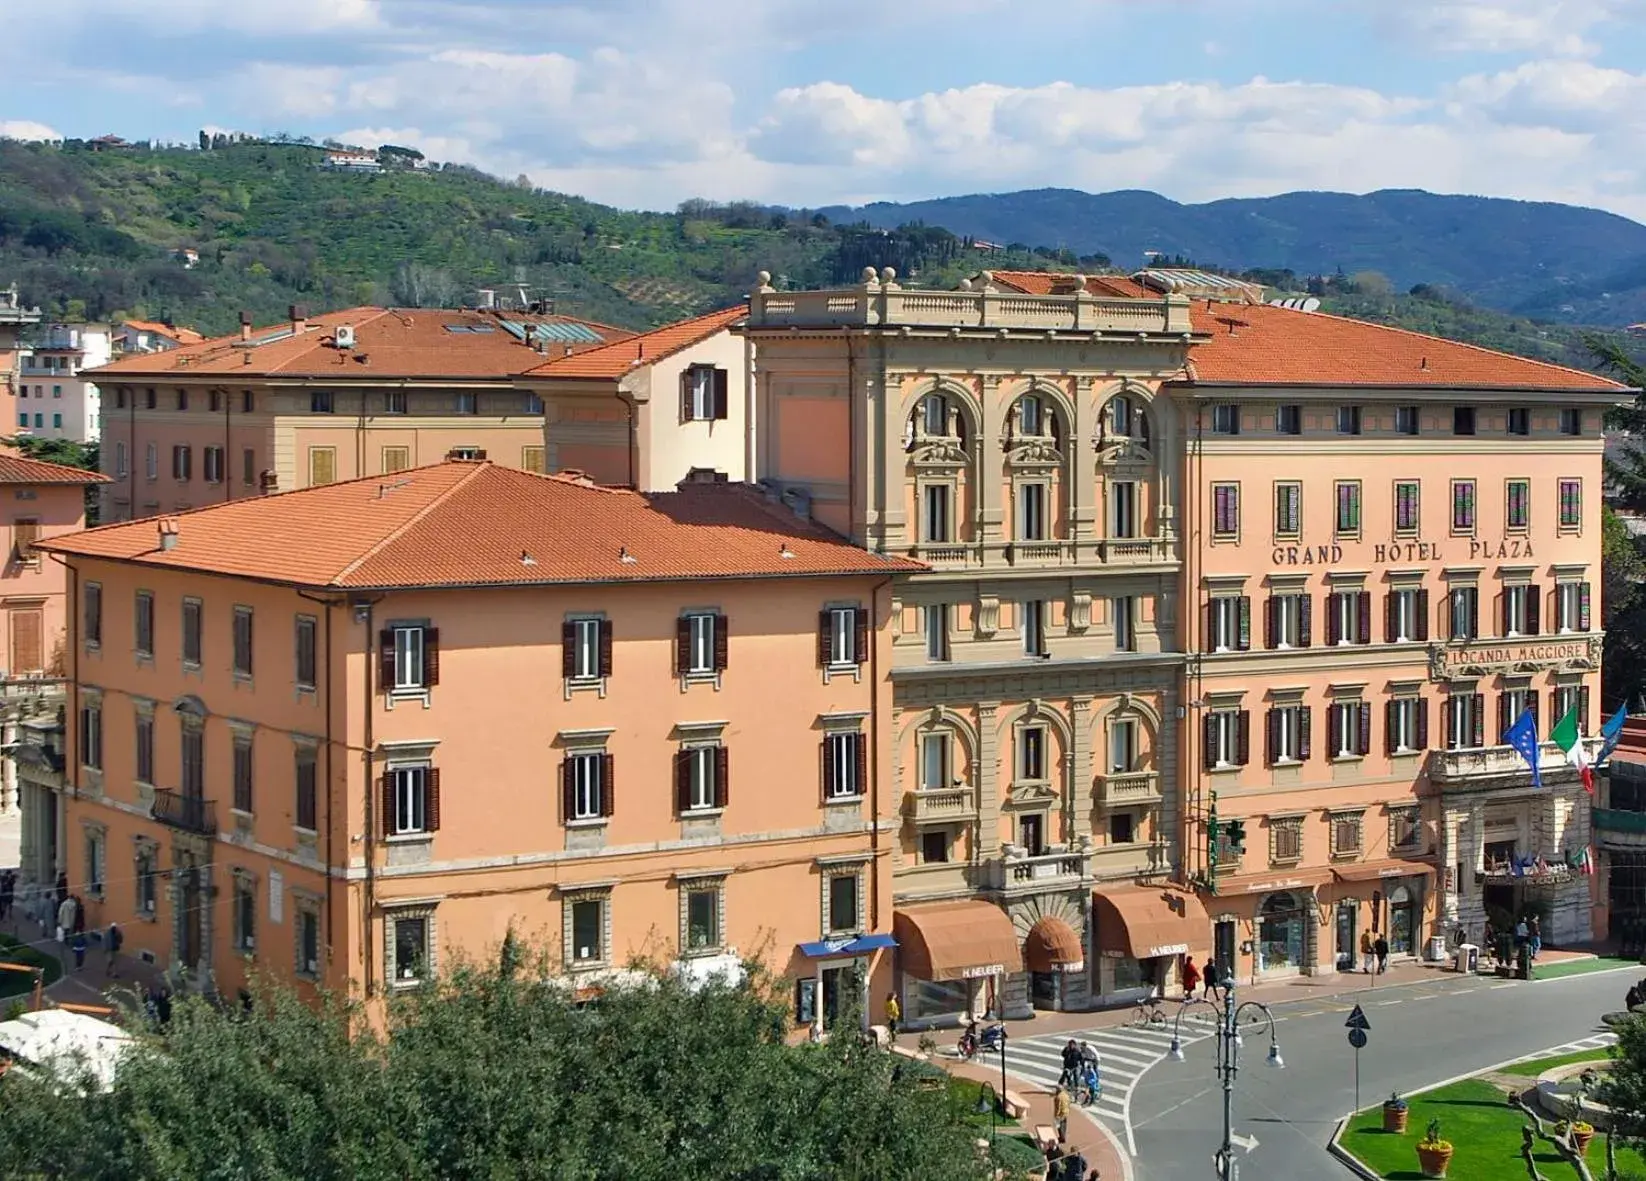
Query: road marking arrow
(1246,1142)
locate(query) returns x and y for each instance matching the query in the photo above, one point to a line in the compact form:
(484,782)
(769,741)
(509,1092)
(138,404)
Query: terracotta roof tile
(615,360)
(170,331)
(1041,282)
(388,342)
(17,469)
(1259,344)
(473,523)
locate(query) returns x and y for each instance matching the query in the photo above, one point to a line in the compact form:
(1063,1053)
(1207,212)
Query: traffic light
(1236,830)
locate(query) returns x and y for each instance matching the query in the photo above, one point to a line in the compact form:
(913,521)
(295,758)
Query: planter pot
(1394,1119)
(1432,1162)
(1580,1140)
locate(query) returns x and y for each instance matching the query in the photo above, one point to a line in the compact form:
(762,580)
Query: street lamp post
(1229,1042)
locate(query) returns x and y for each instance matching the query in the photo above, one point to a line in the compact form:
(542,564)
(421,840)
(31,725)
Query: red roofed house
(291,754)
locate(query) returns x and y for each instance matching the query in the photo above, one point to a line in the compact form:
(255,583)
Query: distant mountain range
(1542,260)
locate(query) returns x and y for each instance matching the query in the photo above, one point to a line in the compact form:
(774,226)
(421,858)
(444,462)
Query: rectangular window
(1408,508)
(321,402)
(934,846)
(120,462)
(409,668)
(193,752)
(702,919)
(1571,504)
(212,464)
(411,949)
(147,873)
(191,633)
(305,788)
(91,736)
(1229,623)
(151,461)
(841,631)
(308,943)
(1571,422)
(1346,830)
(701,778)
(150,399)
(467,403)
(1519,420)
(531,460)
(1123,519)
(1465,721)
(182,399)
(1572,606)
(589,930)
(704,395)
(702,644)
(1289,419)
(25,531)
(935,525)
(322,466)
(1406,420)
(1405,722)
(934,761)
(843,903)
(145,749)
(1464,607)
(1348,508)
(1289,621)
(1463,420)
(1408,615)
(843,766)
(395,459)
(1463,506)
(1517,611)
(1225,510)
(585,785)
(92,605)
(411,793)
(182,462)
(248,402)
(306,654)
(394,402)
(1031,753)
(587,651)
(1032,613)
(144,624)
(1517,511)
(1288,734)
(1125,623)
(94,864)
(1226,419)
(242,774)
(245,914)
(1123,746)
(248,467)
(242,642)
(1350,723)
(57,419)
(534,405)
(937,631)
(1350,617)
(1405,828)
(1285,841)
(1288,509)
(1122,828)
(1348,420)
(1226,738)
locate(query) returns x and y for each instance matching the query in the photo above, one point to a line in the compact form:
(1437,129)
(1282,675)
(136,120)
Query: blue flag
(1523,737)
(1612,733)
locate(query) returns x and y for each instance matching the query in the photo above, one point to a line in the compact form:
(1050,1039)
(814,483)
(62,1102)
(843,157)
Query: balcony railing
(1500,762)
(1018,872)
(1119,553)
(189,813)
(940,805)
(1132,787)
(1109,861)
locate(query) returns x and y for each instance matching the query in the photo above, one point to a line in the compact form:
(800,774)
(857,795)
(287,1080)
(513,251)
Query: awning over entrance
(1052,946)
(1391,867)
(956,940)
(1143,923)
(825,949)
(1273,880)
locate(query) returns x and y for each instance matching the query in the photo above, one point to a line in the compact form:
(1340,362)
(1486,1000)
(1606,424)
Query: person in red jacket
(1191,976)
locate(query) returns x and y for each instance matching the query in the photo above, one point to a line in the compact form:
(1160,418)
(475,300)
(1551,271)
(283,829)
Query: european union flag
(1612,733)
(1523,737)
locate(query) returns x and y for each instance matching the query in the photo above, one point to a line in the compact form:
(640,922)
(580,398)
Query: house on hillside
(343,160)
(152,336)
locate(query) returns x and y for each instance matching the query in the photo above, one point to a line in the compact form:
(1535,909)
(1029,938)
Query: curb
(1120,1152)
(1346,1158)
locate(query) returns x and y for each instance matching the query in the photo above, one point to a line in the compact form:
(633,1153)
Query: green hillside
(93,233)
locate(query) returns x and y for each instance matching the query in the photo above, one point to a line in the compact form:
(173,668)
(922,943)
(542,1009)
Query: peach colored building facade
(360,392)
(1392,550)
(292,751)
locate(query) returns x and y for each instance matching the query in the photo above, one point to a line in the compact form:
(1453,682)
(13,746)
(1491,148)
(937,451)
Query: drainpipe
(874,759)
(331,858)
(131,460)
(227,468)
(628,401)
(363,612)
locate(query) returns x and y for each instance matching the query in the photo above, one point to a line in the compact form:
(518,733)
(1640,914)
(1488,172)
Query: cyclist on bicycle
(1071,1065)
(1090,1066)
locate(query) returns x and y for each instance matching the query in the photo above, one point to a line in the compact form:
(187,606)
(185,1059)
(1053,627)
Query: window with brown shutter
(605,647)
(568,789)
(28,639)
(720,645)
(385,660)
(721,394)
(722,777)
(92,601)
(568,650)
(683,781)
(825,638)
(431,657)
(25,531)
(860,635)
(306,655)
(432,786)
(607,789)
(683,645)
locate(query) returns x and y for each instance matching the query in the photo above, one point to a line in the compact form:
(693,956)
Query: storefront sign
(1499,656)
(982,970)
(1071,969)
(1168,949)
(1403,552)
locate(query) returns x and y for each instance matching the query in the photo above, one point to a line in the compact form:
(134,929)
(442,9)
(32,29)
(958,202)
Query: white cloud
(26,129)
(170,18)
(1558,28)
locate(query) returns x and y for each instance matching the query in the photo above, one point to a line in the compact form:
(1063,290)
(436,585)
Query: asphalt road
(1420,1034)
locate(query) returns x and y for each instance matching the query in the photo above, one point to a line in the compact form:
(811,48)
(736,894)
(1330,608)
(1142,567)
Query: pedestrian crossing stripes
(1125,1054)
(1589,1043)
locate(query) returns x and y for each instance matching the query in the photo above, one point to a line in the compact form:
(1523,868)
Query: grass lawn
(1484,1130)
(18,983)
(963,1094)
(1538,1065)
(1603,963)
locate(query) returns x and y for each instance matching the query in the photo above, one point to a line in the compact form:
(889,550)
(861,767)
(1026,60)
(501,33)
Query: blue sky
(804,102)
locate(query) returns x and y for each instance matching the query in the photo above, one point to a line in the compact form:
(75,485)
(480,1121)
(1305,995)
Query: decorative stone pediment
(935,453)
(1034,452)
(1030,794)
(1123,453)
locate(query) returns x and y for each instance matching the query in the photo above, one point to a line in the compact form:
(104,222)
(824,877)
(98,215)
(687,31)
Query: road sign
(1357,1038)
(1357,1020)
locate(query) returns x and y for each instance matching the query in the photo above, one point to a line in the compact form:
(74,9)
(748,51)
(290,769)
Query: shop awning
(825,949)
(1052,946)
(1390,867)
(956,940)
(1143,923)
(1273,881)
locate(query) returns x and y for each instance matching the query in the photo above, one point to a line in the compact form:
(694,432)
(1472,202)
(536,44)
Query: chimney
(299,317)
(245,325)
(168,532)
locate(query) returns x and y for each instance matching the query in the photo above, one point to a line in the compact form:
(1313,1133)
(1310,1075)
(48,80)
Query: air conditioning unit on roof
(343,334)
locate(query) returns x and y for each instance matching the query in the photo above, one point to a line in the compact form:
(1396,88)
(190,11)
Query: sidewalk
(89,985)
(1094,1141)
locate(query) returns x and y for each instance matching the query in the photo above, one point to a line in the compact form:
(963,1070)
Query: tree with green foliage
(497,1072)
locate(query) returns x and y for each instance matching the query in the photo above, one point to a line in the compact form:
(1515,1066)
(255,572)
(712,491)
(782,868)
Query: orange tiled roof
(17,469)
(388,342)
(1259,344)
(615,360)
(1040,283)
(170,331)
(473,523)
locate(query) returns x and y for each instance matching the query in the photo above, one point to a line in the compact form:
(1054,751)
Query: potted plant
(1433,1153)
(1394,1114)
(1581,1134)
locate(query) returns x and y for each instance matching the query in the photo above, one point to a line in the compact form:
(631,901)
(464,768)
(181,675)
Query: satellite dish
(1311,305)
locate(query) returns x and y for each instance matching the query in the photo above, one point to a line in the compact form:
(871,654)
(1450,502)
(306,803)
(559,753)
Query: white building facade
(54,400)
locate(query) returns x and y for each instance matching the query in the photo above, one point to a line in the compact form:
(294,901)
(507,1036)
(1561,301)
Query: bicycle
(1148,1012)
(1087,1087)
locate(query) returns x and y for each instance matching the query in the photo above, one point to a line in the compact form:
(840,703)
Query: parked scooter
(973,1043)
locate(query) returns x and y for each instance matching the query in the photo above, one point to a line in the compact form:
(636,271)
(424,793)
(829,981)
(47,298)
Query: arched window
(1126,419)
(1031,415)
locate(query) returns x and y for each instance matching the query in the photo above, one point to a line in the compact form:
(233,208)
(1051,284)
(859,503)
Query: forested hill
(98,234)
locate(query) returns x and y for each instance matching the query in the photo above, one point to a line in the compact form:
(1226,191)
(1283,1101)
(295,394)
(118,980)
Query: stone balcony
(1126,789)
(944,805)
(1111,862)
(1131,553)
(1015,872)
(881,302)
(1490,767)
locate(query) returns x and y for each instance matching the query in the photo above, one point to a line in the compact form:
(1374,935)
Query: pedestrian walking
(65,919)
(1060,1113)
(1191,976)
(112,939)
(78,946)
(1382,949)
(894,1013)
(1212,971)
(1522,933)
(1534,935)
(1074,1166)
(1367,952)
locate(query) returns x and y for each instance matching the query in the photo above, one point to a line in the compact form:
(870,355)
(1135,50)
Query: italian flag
(1565,735)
